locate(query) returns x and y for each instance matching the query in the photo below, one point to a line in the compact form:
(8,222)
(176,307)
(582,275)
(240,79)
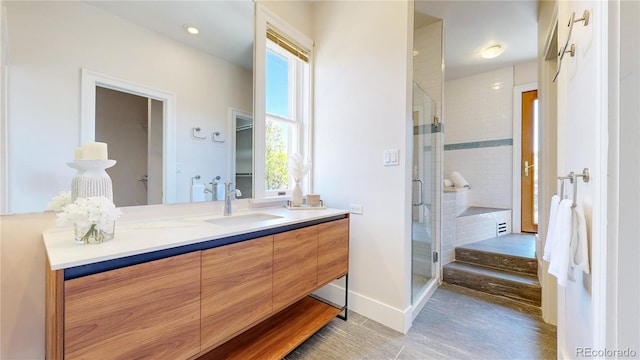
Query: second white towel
(579,241)
(561,245)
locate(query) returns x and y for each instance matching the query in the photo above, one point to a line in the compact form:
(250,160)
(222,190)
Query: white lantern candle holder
(91,179)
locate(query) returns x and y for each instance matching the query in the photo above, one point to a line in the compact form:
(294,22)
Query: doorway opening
(529,159)
(132,126)
(525,145)
(161,176)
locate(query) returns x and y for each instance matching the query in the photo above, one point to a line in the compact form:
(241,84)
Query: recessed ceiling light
(192,29)
(492,51)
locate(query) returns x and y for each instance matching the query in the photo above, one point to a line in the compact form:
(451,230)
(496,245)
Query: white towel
(197,193)
(458,180)
(560,251)
(548,241)
(579,241)
(448,183)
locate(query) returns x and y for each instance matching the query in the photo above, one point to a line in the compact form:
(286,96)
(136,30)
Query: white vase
(296,196)
(92,179)
(90,234)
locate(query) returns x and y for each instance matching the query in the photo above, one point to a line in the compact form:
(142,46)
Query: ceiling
(226,27)
(470,26)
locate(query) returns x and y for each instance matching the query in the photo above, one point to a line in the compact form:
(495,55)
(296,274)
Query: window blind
(288,45)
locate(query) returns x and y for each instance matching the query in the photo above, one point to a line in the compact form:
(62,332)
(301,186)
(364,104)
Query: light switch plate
(391,157)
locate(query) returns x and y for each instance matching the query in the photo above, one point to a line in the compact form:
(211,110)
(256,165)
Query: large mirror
(73,67)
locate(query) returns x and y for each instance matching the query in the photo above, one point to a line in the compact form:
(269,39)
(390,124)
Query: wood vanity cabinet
(295,265)
(333,250)
(241,300)
(236,288)
(149,310)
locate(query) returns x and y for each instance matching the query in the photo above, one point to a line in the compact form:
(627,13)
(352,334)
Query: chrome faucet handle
(227,198)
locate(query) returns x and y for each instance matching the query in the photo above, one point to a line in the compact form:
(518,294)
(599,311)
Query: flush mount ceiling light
(192,29)
(492,51)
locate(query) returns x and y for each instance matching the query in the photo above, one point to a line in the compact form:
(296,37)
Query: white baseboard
(396,319)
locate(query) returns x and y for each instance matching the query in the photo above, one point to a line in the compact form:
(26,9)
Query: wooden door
(236,288)
(145,311)
(529,161)
(295,265)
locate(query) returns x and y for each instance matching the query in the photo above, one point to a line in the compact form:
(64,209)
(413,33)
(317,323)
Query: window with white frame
(286,127)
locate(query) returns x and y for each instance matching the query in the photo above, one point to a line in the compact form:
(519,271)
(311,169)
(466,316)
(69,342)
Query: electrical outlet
(355,208)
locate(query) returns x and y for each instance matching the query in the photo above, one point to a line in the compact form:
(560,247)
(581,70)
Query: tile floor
(456,323)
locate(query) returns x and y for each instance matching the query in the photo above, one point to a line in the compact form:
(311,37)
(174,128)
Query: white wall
(525,73)
(47,51)
(362,107)
(623,280)
(548,185)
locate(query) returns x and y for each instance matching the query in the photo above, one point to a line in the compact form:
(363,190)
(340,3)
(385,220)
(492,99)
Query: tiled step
(516,286)
(499,261)
(513,252)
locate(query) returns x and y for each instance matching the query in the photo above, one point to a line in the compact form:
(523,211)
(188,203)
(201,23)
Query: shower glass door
(424,192)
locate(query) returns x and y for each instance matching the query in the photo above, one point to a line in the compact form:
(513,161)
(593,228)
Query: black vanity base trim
(98,267)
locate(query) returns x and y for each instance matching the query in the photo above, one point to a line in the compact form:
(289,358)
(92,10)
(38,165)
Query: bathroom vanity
(207,287)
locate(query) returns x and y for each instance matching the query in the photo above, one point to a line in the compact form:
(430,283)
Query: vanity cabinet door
(333,250)
(149,310)
(295,265)
(236,288)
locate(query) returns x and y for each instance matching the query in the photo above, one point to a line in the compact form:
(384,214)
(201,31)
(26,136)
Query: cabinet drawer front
(295,265)
(150,310)
(333,250)
(236,288)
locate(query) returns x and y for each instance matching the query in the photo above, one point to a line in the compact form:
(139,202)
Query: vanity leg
(344,309)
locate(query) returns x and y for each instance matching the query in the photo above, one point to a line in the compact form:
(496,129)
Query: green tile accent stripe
(479,144)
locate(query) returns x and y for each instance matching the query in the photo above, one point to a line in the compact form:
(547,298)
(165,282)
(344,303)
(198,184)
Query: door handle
(526,167)
(420,192)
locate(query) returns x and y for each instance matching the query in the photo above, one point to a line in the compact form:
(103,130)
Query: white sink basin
(242,219)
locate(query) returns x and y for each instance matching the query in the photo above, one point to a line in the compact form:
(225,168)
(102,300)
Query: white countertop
(143,236)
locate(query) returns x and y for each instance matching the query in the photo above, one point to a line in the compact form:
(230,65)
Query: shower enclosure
(426,193)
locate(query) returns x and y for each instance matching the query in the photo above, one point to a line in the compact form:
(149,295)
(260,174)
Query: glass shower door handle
(421,201)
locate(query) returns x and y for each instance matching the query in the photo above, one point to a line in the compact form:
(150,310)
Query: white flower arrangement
(298,166)
(59,201)
(95,216)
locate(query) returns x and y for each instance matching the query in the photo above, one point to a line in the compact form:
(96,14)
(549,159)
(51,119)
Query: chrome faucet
(214,188)
(228,193)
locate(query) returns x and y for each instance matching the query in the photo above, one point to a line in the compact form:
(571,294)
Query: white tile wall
(448,227)
(477,112)
(480,227)
(489,172)
(458,231)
